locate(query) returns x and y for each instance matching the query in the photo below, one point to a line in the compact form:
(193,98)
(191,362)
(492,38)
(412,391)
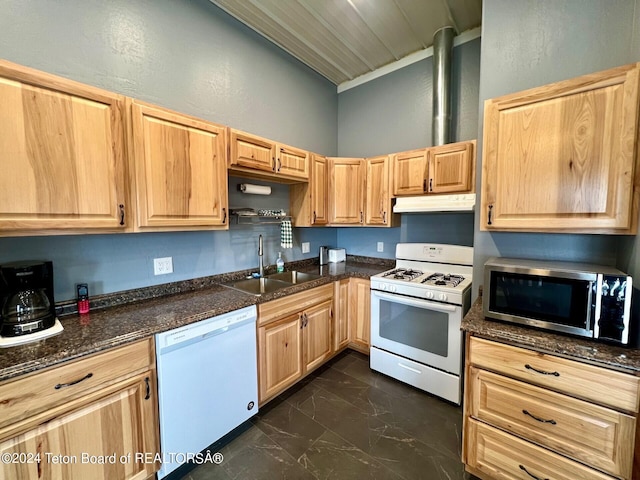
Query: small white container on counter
(337,255)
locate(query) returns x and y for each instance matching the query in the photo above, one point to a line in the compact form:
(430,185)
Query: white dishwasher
(207,383)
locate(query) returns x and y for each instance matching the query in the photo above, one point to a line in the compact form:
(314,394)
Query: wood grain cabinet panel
(360,314)
(493,454)
(280,355)
(451,168)
(378,208)
(346,193)
(341,314)
(309,202)
(64,165)
(181,170)
(120,423)
(254,156)
(562,157)
(317,332)
(410,172)
(583,431)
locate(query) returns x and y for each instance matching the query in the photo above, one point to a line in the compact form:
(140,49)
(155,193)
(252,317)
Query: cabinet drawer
(590,433)
(43,390)
(276,309)
(574,378)
(500,455)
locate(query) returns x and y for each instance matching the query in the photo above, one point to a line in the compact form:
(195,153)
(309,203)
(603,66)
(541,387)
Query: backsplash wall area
(111,263)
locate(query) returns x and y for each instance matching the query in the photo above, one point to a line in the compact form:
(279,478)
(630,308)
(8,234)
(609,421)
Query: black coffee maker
(26,297)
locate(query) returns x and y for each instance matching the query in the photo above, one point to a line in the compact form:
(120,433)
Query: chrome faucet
(260,256)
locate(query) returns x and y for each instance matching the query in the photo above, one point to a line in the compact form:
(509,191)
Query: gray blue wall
(527,44)
(190,56)
(392,114)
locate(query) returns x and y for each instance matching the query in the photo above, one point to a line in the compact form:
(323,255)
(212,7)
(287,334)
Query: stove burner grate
(443,279)
(403,274)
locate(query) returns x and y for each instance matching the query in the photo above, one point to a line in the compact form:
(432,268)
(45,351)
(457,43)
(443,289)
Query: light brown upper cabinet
(410,172)
(254,156)
(562,157)
(451,168)
(443,169)
(346,191)
(64,164)
(180,170)
(378,203)
(308,201)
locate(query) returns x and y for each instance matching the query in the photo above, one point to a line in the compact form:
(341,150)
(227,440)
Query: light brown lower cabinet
(534,415)
(360,314)
(294,338)
(96,435)
(341,314)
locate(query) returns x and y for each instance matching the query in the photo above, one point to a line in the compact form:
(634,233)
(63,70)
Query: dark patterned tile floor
(345,421)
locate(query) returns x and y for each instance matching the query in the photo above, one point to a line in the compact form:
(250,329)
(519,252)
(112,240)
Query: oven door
(421,330)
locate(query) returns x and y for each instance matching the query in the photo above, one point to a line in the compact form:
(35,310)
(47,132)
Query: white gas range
(416,312)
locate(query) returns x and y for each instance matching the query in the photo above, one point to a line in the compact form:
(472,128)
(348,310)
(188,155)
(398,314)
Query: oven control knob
(442,297)
(429,295)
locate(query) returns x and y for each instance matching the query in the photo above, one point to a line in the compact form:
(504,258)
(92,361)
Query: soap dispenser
(279,263)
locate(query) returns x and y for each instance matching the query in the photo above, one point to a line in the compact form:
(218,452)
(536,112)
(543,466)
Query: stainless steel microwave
(581,299)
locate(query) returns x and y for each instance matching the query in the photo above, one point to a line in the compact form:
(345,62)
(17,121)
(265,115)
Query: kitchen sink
(258,286)
(293,276)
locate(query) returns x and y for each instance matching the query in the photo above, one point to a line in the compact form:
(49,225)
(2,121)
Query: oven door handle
(440,307)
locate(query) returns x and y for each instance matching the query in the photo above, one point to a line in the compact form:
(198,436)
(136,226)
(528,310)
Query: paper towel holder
(254,189)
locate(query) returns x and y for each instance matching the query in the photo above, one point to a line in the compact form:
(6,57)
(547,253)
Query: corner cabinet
(180,170)
(254,156)
(378,204)
(534,415)
(562,157)
(360,314)
(50,419)
(64,167)
(294,338)
(346,192)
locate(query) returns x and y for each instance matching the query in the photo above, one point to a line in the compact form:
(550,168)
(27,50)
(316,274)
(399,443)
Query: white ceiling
(344,39)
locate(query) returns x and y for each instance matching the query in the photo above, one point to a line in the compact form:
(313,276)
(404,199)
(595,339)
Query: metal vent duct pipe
(442,53)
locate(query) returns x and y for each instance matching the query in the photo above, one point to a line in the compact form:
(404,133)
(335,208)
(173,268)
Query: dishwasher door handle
(215,333)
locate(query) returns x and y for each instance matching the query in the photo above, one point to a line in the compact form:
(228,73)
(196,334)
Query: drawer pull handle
(542,372)
(541,420)
(62,385)
(527,472)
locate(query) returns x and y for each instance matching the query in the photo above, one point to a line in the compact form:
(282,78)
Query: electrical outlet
(162,266)
(306,247)
(381,246)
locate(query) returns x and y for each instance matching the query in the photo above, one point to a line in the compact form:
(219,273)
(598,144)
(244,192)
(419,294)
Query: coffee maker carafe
(26,297)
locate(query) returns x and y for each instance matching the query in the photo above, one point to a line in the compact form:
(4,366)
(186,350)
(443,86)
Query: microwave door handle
(596,316)
(440,307)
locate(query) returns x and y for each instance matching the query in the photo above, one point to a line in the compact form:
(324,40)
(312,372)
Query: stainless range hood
(436,203)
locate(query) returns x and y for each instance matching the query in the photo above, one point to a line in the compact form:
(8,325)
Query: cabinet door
(450,168)
(119,423)
(410,171)
(280,354)
(252,152)
(319,185)
(317,334)
(562,157)
(292,162)
(377,201)
(341,314)
(63,155)
(346,191)
(181,174)
(360,313)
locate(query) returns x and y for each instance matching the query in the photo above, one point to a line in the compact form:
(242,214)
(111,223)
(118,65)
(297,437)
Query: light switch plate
(381,246)
(306,247)
(162,266)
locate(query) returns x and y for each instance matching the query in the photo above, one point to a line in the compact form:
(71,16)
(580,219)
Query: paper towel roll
(255,189)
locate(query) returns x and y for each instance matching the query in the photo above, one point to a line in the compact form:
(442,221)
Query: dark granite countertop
(575,348)
(105,328)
